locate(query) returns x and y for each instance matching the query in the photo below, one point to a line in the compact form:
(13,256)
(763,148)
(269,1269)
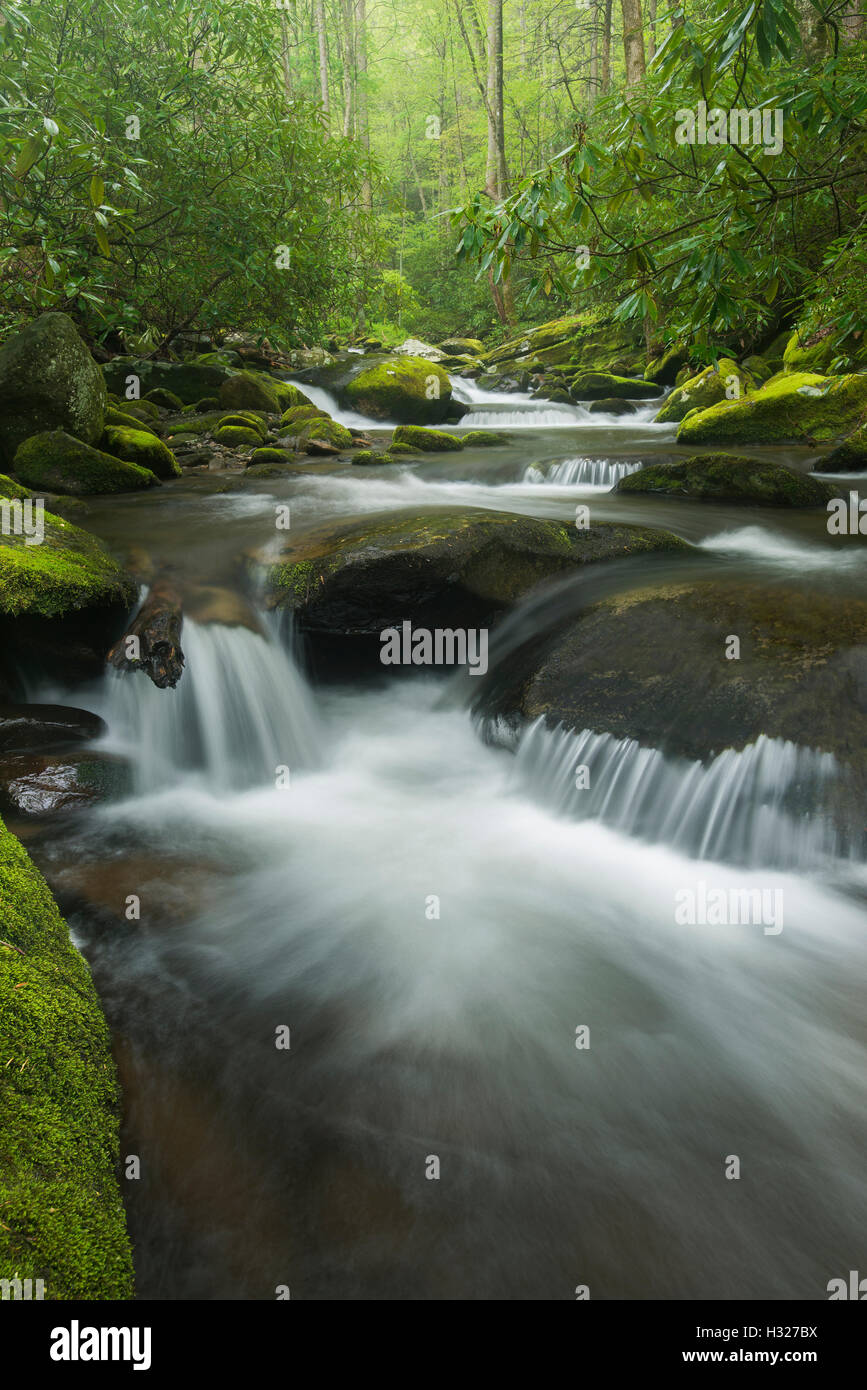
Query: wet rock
(730,478)
(800,408)
(187,381)
(407,389)
(611,405)
(35,728)
(44,784)
(48,381)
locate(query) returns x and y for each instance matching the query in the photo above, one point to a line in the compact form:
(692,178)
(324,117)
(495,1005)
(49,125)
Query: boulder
(664,369)
(140,447)
(188,381)
(730,478)
(462,347)
(48,381)
(848,457)
(414,347)
(611,405)
(35,728)
(37,784)
(704,389)
(484,439)
(55,462)
(257,391)
(798,408)
(323,430)
(593,386)
(427,441)
(407,389)
(62,1213)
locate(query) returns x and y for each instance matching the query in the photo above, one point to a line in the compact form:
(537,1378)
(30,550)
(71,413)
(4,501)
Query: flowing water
(426,919)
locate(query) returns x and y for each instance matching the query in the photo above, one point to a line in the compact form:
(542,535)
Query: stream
(300,902)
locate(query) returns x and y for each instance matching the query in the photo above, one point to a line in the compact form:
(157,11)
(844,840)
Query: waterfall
(764,805)
(240,711)
(581,471)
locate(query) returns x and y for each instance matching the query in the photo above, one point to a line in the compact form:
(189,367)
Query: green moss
(55,462)
(293,395)
(799,407)
(408,389)
(61,1215)
(161,396)
(271,456)
(9,488)
(328,431)
(705,389)
(462,346)
(197,424)
(849,457)
(399,448)
(593,386)
(70,570)
(429,441)
(257,391)
(298,413)
(126,420)
(205,404)
(245,420)
(141,448)
(237,436)
(367,458)
(729,478)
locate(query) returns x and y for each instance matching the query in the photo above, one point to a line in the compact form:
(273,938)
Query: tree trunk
(651,38)
(362,124)
(633,41)
(606,47)
(153,641)
(323,64)
(284,56)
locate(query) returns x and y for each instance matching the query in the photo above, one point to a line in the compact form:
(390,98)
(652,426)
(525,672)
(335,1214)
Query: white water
(454,1034)
(581,472)
(510,410)
(785,552)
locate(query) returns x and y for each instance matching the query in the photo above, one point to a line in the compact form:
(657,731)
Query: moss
(61,1215)
(206,403)
(664,370)
(849,457)
(703,390)
(141,410)
(257,391)
(237,436)
(797,407)
(9,488)
(591,386)
(399,448)
(429,441)
(293,396)
(729,478)
(69,571)
(56,462)
(298,413)
(48,380)
(328,431)
(367,458)
(126,420)
(141,448)
(408,389)
(462,346)
(245,420)
(271,456)
(160,396)
(198,424)
(759,368)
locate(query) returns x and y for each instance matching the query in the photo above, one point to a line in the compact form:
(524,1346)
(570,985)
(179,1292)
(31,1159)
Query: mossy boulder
(298,414)
(848,457)
(48,381)
(115,416)
(438,568)
(410,390)
(367,458)
(11,489)
(815,351)
(663,370)
(398,449)
(610,405)
(237,436)
(164,399)
(484,439)
(271,455)
(593,386)
(246,420)
(187,381)
(729,478)
(141,447)
(196,424)
(257,391)
(800,675)
(462,347)
(759,368)
(799,408)
(62,1214)
(428,441)
(324,430)
(293,395)
(705,389)
(55,462)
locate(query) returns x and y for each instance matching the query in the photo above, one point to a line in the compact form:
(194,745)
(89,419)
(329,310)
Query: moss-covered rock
(164,399)
(428,441)
(207,403)
(808,351)
(142,448)
(438,568)
(730,478)
(188,381)
(798,407)
(366,458)
(298,414)
(114,416)
(196,424)
(55,462)
(705,389)
(592,386)
(462,347)
(848,457)
(69,571)
(250,390)
(237,436)
(48,381)
(324,430)
(410,390)
(609,405)
(62,1215)
(759,368)
(663,370)
(484,439)
(293,395)
(11,489)
(270,455)
(246,420)
(398,448)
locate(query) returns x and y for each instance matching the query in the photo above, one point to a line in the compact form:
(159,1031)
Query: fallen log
(153,641)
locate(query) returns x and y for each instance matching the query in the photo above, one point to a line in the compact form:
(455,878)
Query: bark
(606,47)
(362,124)
(323,63)
(633,41)
(284,56)
(651,38)
(157,629)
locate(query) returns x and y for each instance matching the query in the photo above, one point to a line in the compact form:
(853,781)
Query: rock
(188,381)
(245,420)
(848,457)
(321,448)
(462,347)
(270,455)
(730,478)
(126,420)
(166,399)
(663,370)
(799,408)
(801,657)
(611,405)
(484,439)
(397,449)
(456,411)
(558,395)
(299,413)
(814,350)
(237,436)
(141,447)
(211,604)
(323,430)
(413,347)
(704,390)
(62,1214)
(257,391)
(407,389)
(42,784)
(37,728)
(758,368)
(428,441)
(10,489)
(367,458)
(56,462)
(198,424)
(437,568)
(592,386)
(48,381)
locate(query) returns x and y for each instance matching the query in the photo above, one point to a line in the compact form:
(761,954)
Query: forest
(433,660)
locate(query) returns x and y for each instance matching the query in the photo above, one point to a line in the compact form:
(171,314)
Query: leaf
(28,155)
(102,240)
(97,191)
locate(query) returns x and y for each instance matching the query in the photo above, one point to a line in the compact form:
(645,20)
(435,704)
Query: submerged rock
(35,784)
(730,478)
(62,1214)
(48,381)
(848,457)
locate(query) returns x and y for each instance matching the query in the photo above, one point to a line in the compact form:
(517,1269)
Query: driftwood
(153,641)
